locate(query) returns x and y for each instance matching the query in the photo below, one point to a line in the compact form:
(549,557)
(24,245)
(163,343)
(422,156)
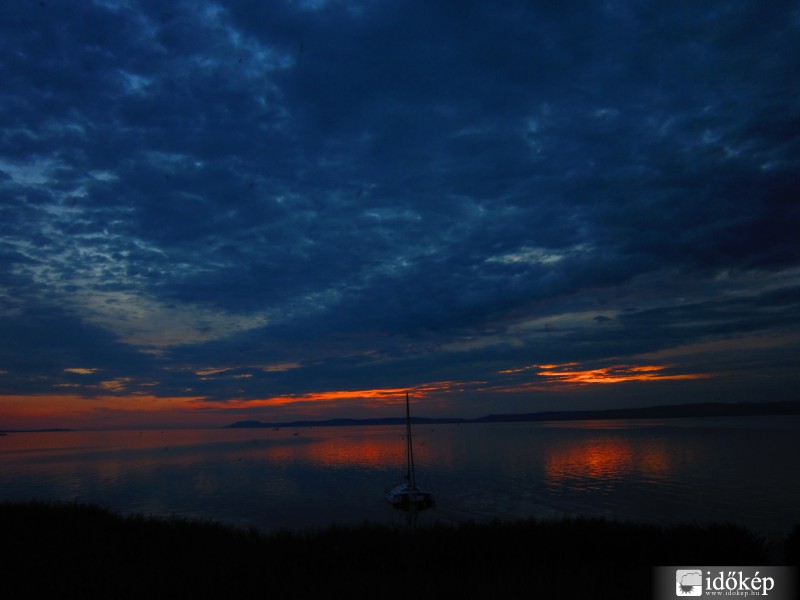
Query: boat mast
(410,449)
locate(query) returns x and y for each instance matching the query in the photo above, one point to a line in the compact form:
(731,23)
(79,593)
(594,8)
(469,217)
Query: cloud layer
(238,201)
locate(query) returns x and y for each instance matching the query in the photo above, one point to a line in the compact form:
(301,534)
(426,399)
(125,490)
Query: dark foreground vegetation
(79,551)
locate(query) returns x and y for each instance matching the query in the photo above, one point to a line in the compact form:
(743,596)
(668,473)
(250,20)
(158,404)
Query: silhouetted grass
(79,551)
(792,547)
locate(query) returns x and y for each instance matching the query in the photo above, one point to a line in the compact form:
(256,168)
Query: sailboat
(409,496)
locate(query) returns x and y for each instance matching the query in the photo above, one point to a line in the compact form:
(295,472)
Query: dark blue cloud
(386,194)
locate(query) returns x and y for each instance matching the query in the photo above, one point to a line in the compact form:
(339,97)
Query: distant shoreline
(671,411)
(55,430)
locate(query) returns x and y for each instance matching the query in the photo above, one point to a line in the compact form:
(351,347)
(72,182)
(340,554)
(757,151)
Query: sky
(217,211)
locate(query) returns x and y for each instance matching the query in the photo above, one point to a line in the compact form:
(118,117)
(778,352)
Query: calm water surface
(662,471)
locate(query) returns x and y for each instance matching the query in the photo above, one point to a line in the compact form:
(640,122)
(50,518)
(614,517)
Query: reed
(76,550)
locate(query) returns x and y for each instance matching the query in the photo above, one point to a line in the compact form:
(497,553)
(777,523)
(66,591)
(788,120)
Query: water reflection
(313,477)
(606,460)
(342,452)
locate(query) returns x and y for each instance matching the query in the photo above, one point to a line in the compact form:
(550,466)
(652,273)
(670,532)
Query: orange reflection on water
(360,452)
(367,447)
(604,459)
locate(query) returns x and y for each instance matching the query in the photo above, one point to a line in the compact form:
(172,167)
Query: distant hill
(670,411)
(6,431)
(346,422)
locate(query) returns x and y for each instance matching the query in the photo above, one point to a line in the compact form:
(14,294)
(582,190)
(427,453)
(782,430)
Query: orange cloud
(81,371)
(270,368)
(380,395)
(530,367)
(204,372)
(279,367)
(115,409)
(616,374)
(548,375)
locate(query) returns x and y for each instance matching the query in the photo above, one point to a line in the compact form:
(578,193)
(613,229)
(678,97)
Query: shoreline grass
(77,550)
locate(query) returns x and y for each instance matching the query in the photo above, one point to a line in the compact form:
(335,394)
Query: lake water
(740,470)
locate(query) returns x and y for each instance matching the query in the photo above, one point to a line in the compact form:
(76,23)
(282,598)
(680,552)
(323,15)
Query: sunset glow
(240,212)
(615,374)
(69,411)
(117,407)
(374,397)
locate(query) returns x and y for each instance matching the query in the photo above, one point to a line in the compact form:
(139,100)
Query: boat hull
(407,497)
